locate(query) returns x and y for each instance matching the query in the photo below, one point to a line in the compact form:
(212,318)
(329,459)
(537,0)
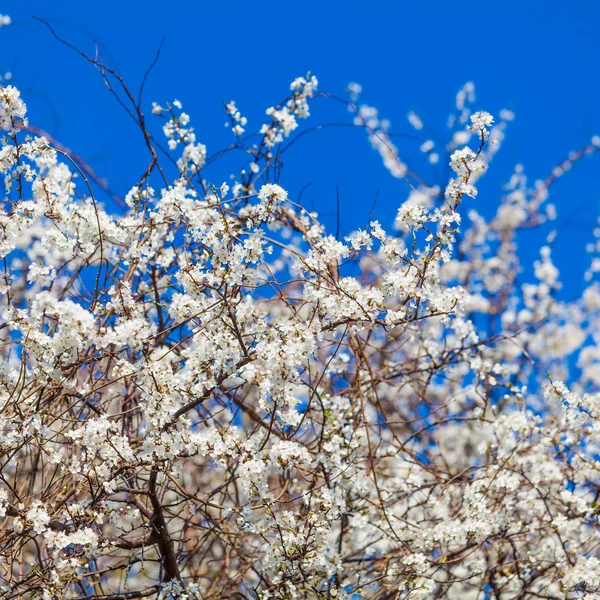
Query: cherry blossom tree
(206,394)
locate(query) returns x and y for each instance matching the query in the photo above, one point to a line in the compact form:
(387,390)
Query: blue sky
(537,58)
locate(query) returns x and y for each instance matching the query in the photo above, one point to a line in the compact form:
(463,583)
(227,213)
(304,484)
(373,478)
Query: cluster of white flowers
(12,108)
(176,590)
(237,121)
(368,117)
(480,121)
(283,117)
(177,132)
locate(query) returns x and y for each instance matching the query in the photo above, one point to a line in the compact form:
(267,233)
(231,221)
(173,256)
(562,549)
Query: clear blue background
(538,58)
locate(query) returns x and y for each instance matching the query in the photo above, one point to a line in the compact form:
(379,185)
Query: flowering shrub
(206,394)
